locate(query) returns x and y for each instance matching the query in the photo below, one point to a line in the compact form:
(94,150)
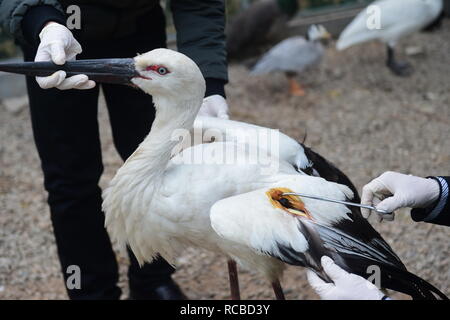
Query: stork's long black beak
(119,71)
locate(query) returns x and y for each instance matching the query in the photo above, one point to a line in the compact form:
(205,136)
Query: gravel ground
(355,113)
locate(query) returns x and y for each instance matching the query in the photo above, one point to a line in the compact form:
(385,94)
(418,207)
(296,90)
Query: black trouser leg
(131,113)
(66,134)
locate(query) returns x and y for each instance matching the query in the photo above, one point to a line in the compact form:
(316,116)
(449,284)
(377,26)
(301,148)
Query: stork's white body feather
(262,227)
(287,149)
(166,214)
(176,214)
(398,18)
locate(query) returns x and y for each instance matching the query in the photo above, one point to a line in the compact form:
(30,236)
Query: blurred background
(355,112)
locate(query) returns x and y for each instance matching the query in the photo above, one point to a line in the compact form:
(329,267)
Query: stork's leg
(279,295)
(295,88)
(402,69)
(234,281)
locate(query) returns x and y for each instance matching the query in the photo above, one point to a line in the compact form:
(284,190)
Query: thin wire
(336,201)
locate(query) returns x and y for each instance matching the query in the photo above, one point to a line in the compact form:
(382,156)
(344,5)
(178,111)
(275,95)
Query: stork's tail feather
(393,275)
(419,289)
(393,278)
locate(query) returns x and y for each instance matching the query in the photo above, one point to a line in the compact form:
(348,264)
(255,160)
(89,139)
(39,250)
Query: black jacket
(200,26)
(438,212)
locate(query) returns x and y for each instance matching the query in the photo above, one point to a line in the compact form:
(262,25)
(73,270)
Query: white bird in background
(397,18)
(294,55)
(162,201)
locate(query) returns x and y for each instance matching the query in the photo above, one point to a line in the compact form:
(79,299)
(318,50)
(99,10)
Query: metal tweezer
(336,201)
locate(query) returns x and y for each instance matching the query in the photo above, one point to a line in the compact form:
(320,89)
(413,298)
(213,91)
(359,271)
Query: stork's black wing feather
(329,171)
(352,243)
(356,254)
(359,228)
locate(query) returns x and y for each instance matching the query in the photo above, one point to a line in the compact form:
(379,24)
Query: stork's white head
(166,73)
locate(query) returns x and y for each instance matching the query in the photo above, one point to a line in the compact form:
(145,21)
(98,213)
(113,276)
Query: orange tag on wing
(289,203)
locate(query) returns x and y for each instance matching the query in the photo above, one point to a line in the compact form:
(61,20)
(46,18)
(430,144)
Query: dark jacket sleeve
(438,212)
(25,18)
(200,26)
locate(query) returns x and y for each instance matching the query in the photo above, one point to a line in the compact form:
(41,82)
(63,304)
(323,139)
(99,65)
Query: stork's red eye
(162,70)
(159,69)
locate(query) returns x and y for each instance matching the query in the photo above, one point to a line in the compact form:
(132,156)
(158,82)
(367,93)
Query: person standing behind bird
(65,122)
(429,198)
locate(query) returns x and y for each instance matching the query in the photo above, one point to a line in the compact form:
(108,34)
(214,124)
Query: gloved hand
(346,286)
(58,45)
(214,106)
(398,190)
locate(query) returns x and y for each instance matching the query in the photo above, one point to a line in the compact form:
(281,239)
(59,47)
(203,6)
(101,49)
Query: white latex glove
(398,191)
(214,106)
(346,286)
(58,45)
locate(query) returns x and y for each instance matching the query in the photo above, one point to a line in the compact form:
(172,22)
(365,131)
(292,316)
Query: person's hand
(58,45)
(214,106)
(346,286)
(398,191)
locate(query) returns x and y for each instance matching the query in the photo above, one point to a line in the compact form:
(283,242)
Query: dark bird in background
(251,27)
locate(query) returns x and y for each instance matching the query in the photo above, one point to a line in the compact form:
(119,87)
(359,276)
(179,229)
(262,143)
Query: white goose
(294,56)
(398,18)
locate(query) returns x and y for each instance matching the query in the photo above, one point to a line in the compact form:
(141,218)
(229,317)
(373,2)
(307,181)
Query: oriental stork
(397,19)
(294,56)
(159,204)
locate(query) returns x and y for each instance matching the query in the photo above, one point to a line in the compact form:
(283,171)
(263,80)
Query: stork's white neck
(171,114)
(146,166)
(136,184)
(128,200)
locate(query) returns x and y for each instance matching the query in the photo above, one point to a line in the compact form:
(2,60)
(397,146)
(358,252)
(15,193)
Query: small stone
(431,96)
(414,51)
(337,73)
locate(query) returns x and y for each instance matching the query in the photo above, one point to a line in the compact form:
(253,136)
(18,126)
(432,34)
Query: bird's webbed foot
(401,69)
